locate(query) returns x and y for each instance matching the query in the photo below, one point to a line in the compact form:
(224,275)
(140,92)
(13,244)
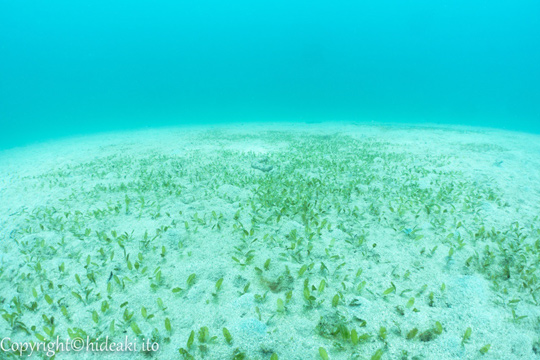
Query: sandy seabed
(275,241)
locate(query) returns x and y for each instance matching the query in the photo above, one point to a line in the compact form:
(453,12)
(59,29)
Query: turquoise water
(76,67)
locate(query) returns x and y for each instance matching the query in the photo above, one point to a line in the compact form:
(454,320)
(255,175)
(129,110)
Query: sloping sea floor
(286,241)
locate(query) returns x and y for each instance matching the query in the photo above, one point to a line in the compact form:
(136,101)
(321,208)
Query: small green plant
(246,288)
(431,333)
(258,312)
(95,317)
(410,303)
(49,331)
(160,304)
(204,335)
(411,334)
(516,318)
(105,306)
(64,311)
(239,355)
(217,287)
(280,306)
(354,337)
(302,270)
(127,315)
(484,349)
(377,355)
(191,280)
(322,285)
(383,333)
(335,300)
(48,299)
(308,297)
(450,254)
(248,258)
(431,298)
(466,336)
(136,329)
(190,340)
(261,298)
(227,335)
(390,290)
(438,328)
(323,353)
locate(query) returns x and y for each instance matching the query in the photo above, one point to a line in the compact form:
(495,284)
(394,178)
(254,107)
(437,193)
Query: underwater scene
(283,180)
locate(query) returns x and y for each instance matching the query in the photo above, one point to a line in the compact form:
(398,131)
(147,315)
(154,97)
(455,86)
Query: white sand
(393,201)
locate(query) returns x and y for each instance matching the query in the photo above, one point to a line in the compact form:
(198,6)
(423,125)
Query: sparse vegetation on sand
(331,247)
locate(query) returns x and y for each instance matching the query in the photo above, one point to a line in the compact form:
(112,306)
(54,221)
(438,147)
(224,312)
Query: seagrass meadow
(276,241)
